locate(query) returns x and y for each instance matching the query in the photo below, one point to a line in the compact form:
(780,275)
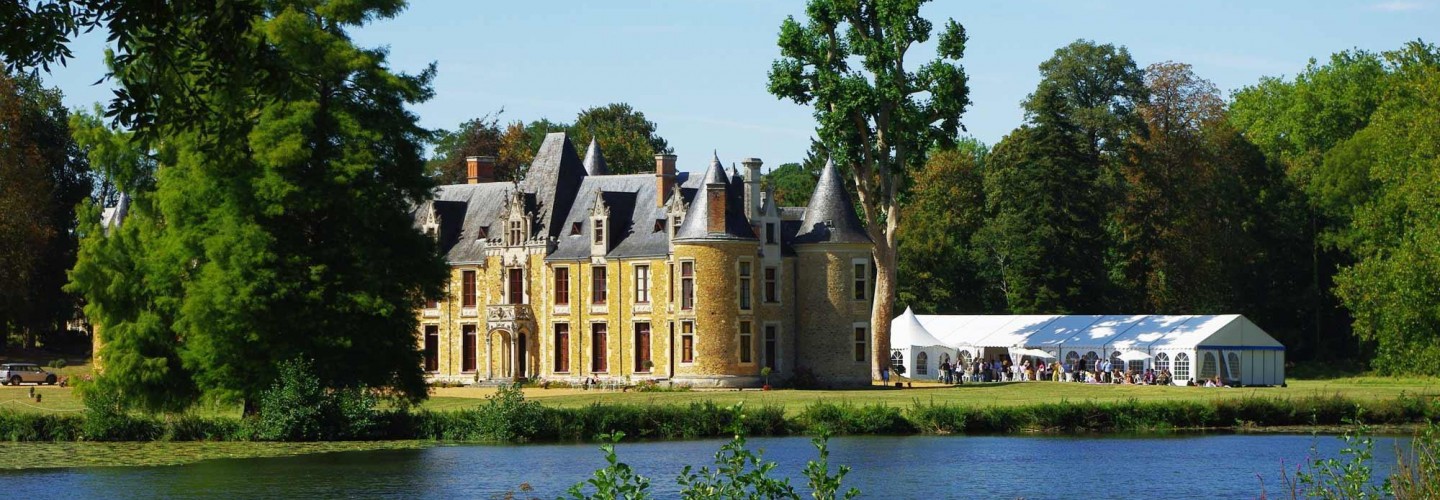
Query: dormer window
(575,229)
(770,233)
(599,231)
(483,233)
(659,225)
(516,232)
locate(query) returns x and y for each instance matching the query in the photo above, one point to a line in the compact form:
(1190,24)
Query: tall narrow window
(746,340)
(517,285)
(687,341)
(772,346)
(687,285)
(772,291)
(770,233)
(1182,366)
(467,289)
(862,337)
(432,304)
(599,231)
(432,348)
(642,347)
(671,276)
(599,363)
(597,285)
(562,348)
(562,286)
(744,285)
(515,232)
(467,348)
(642,284)
(862,280)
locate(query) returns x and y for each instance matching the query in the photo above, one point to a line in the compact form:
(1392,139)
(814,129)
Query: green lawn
(62,399)
(1360,388)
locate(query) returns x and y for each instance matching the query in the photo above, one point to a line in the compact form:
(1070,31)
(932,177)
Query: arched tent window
(964,358)
(1115,361)
(897,361)
(1162,362)
(1182,366)
(1207,366)
(922,362)
(1233,360)
(1070,359)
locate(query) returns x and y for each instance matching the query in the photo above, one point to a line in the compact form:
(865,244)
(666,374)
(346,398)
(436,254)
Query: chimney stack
(752,187)
(664,177)
(479,169)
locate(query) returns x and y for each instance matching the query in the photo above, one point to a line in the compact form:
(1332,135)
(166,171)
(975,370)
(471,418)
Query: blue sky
(698,69)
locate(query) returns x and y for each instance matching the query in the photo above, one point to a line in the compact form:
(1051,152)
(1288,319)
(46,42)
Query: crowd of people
(1096,371)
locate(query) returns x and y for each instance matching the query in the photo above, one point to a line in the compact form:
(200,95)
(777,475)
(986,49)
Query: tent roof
(1116,332)
(906,332)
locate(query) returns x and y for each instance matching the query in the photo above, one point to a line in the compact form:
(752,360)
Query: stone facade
(705,284)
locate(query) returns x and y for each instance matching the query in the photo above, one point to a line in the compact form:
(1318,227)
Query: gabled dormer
(599,226)
(515,220)
(430,224)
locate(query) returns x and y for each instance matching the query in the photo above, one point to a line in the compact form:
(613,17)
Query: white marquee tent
(1191,347)
(913,347)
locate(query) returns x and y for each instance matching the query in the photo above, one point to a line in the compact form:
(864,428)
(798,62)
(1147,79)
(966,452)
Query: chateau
(572,273)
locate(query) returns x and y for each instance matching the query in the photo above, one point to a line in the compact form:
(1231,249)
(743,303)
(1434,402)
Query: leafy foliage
(875,117)
(298,408)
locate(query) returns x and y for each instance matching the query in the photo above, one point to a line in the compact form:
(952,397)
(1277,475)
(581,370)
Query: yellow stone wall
(826,284)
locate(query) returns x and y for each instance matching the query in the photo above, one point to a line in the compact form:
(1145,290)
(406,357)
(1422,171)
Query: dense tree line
(627,139)
(1309,205)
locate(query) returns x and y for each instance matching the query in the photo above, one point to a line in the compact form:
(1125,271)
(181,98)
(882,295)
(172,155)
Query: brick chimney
(664,177)
(479,169)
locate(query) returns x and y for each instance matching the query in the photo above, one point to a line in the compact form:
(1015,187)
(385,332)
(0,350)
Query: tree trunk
(250,408)
(883,308)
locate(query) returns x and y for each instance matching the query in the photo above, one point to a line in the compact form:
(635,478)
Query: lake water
(1206,466)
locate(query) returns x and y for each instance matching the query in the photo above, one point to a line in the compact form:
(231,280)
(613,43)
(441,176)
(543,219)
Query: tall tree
(625,135)
(283,234)
(944,210)
(1051,184)
(43,176)
(879,119)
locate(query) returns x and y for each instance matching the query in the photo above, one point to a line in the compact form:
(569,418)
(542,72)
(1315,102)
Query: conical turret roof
(697,220)
(595,160)
(830,216)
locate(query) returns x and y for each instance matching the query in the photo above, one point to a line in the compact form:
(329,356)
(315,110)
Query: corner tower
(836,283)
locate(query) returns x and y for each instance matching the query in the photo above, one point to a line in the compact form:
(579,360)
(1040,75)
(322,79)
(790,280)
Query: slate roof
(831,218)
(560,193)
(737,226)
(594,159)
(633,212)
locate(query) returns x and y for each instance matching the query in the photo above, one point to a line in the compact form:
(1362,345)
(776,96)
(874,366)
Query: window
(562,347)
(862,279)
(1136,366)
(515,233)
(599,231)
(770,233)
(1162,362)
(517,285)
(1182,366)
(432,304)
(671,277)
(1207,366)
(772,294)
(659,225)
(1072,360)
(467,289)
(744,286)
(897,361)
(597,285)
(1115,361)
(687,285)
(862,337)
(575,229)
(746,340)
(642,284)
(920,361)
(467,348)
(562,286)
(432,348)
(642,348)
(1233,368)
(598,361)
(483,233)
(687,341)
(772,347)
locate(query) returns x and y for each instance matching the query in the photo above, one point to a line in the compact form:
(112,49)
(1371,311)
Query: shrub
(298,408)
(107,420)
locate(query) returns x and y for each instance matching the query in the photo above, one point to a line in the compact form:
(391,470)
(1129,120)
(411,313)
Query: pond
(1212,466)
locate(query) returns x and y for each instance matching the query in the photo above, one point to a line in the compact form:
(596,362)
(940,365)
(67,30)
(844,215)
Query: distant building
(572,273)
